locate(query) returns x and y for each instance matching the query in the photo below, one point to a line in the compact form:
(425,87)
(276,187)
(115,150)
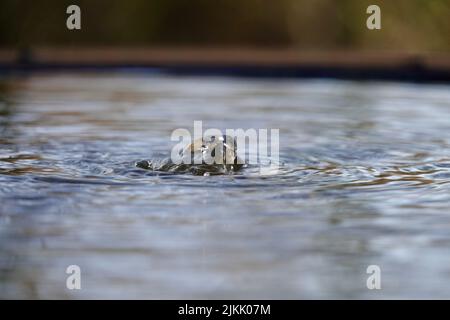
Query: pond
(364,180)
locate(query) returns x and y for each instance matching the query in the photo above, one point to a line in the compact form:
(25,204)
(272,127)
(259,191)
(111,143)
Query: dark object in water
(201,158)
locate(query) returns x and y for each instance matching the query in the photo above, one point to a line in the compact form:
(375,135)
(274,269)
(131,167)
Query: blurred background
(414,26)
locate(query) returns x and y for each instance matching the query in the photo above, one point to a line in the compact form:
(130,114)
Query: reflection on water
(365,180)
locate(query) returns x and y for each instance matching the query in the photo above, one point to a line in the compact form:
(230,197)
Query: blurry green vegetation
(407,25)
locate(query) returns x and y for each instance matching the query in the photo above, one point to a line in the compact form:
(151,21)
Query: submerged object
(212,155)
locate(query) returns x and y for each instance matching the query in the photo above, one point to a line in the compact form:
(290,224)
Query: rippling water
(365,180)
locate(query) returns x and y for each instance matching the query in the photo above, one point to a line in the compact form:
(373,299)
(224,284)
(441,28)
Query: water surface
(365,180)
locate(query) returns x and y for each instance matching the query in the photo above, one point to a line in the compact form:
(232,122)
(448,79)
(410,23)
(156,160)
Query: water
(365,180)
